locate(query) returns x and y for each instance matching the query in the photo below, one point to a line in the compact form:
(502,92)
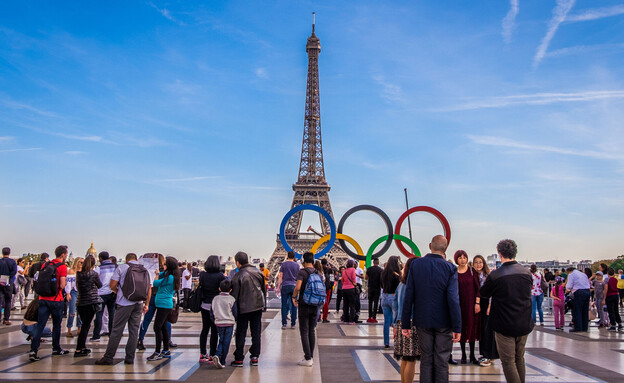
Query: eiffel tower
(311,186)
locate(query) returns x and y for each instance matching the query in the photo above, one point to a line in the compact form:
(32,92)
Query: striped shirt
(105,271)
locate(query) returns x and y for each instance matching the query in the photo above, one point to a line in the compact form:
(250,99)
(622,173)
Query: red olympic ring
(426,209)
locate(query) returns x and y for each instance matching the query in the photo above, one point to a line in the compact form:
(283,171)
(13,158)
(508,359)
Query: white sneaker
(216,362)
(306,363)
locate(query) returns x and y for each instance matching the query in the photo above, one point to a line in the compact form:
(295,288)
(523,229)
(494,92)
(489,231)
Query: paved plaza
(345,353)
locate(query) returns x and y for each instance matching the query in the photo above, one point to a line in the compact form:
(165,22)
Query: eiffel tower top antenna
(313,21)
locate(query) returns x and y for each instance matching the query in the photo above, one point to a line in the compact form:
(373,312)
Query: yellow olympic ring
(326,238)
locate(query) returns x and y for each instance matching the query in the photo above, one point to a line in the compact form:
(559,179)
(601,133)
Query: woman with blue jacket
(168,282)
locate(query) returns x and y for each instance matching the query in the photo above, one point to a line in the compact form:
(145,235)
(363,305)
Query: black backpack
(136,283)
(47,281)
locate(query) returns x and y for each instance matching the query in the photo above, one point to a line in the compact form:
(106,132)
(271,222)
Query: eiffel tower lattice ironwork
(311,186)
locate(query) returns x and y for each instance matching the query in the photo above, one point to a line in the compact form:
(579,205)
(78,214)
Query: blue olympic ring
(318,209)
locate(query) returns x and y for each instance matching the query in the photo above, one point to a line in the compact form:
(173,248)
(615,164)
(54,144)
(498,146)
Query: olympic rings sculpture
(343,238)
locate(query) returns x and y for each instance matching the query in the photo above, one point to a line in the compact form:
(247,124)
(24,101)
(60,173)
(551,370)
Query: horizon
(177,127)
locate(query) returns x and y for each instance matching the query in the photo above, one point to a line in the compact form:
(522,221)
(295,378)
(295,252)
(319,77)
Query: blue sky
(176,127)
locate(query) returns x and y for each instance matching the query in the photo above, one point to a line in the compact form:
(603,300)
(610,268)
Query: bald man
(431,304)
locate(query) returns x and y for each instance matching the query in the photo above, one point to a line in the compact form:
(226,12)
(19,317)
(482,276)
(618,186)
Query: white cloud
(510,19)
(80,138)
(166,14)
(534,99)
(75,152)
(582,49)
(19,150)
(391,92)
(6,138)
(261,73)
(559,15)
(17,105)
(507,143)
(596,13)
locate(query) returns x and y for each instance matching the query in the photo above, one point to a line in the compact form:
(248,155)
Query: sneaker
(154,356)
(358,321)
(104,334)
(253,361)
(387,347)
(306,362)
(33,357)
(60,352)
(203,358)
(284,327)
(369,320)
(140,345)
(292,326)
(325,321)
(237,363)
(612,329)
(374,320)
(79,353)
(126,361)
(172,345)
(216,362)
(485,362)
(6,322)
(104,362)
(94,340)
(166,354)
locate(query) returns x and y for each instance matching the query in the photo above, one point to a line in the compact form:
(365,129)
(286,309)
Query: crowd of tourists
(430,303)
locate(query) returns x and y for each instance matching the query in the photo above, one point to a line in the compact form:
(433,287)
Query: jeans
(373,304)
(6,296)
(185,302)
(47,309)
(349,304)
(225,337)
(87,313)
(389,307)
(613,310)
(132,316)
(328,295)
(287,305)
(253,320)
(435,348)
(72,311)
(208,326)
(147,319)
(160,330)
(580,311)
(511,351)
(108,303)
(559,311)
(536,303)
(307,324)
(30,330)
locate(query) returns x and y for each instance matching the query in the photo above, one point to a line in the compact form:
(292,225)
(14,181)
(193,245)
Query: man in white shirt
(359,274)
(186,285)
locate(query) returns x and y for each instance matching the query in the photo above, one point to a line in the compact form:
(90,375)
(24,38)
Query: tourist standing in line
(20,283)
(487,342)
(209,284)
(168,282)
(599,285)
(558,296)
(224,312)
(537,295)
(339,288)
(359,274)
(52,277)
(130,306)
(149,315)
(431,304)
(71,293)
(578,284)
(373,276)
(349,292)
(186,286)
(35,268)
(470,304)
(611,298)
(390,278)
(248,290)
(267,274)
(307,313)
(329,274)
(88,303)
(286,282)
(509,289)
(405,348)
(8,270)
(105,271)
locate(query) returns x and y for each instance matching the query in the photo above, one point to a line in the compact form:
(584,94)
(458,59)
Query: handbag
(543,285)
(358,287)
(196,299)
(175,312)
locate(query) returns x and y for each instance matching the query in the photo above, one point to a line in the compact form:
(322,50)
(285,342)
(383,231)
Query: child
(558,296)
(224,316)
(599,287)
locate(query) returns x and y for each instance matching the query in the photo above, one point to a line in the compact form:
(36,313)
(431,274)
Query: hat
(599,273)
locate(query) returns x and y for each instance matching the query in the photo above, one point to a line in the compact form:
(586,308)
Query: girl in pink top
(558,296)
(349,293)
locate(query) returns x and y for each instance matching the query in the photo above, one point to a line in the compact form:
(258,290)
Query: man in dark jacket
(431,303)
(248,288)
(510,310)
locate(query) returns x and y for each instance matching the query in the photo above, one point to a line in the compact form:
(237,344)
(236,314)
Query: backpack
(47,281)
(136,283)
(314,292)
